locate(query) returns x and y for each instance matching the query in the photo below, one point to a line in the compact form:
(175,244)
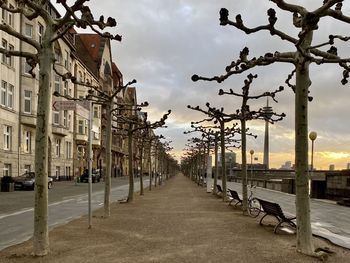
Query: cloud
(165,42)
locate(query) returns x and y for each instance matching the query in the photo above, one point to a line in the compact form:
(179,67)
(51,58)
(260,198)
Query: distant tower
(267,113)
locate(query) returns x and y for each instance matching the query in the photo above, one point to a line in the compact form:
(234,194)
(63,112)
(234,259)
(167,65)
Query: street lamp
(312,137)
(251,166)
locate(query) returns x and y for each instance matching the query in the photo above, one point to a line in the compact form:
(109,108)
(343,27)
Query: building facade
(88,58)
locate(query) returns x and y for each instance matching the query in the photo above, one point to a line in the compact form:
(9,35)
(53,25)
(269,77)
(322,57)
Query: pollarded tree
(210,135)
(133,123)
(152,142)
(80,16)
(305,53)
(244,114)
(218,116)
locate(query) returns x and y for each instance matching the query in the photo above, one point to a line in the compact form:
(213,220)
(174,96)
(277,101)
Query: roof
(117,75)
(83,54)
(94,44)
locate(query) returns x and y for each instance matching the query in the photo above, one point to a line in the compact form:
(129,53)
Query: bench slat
(275,210)
(235,196)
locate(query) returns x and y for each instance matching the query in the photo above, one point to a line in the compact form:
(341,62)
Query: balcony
(117,148)
(29,120)
(96,142)
(60,130)
(82,137)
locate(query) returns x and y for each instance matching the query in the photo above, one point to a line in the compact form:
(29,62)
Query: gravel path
(177,222)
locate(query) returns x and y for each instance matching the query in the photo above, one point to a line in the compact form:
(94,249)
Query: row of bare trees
(306,52)
(79,16)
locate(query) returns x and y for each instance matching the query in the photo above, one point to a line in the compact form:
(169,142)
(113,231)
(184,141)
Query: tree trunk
(41,235)
(155,168)
(216,163)
(304,232)
(223,161)
(107,208)
(130,165)
(150,165)
(141,170)
(244,167)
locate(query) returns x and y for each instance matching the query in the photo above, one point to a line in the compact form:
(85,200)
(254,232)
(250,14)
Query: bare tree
(134,124)
(219,117)
(80,16)
(244,114)
(306,53)
(210,136)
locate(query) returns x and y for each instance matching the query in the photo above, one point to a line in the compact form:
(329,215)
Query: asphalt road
(67,201)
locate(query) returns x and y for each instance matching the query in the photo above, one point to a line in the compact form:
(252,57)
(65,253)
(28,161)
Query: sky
(165,42)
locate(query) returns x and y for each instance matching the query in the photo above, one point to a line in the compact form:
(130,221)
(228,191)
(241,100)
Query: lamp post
(312,137)
(251,166)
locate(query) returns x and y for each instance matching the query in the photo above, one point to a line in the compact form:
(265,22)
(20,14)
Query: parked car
(27,181)
(84,178)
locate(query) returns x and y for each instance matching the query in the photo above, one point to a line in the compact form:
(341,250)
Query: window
(96,115)
(81,77)
(3,93)
(96,135)
(10,58)
(70,91)
(6,94)
(66,59)
(81,152)
(81,127)
(27,68)
(68,171)
(28,30)
(65,88)
(69,122)
(7,137)
(10,16)
(68,150)
(65,117)
(40,32)
(58,147)
(86,127)
(57,83)
(56,117)
(10,96)
(4,46)
(4,13)
(27,101)
(28,141)
(7,169)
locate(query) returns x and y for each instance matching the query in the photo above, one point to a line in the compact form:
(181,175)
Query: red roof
(93,44)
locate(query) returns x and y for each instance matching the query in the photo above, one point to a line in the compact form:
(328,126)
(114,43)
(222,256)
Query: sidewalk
(177,222)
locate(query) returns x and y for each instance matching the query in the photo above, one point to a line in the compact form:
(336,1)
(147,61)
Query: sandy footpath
(177,222)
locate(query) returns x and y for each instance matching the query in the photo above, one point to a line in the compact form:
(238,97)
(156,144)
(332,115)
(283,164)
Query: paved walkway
(177,222)
(328,219)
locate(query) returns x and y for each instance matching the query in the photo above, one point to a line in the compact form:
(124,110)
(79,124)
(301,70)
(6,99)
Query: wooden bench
(219,189)
(274,209)
(234,196)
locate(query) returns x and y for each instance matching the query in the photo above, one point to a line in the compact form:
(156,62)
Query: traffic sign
(64,105)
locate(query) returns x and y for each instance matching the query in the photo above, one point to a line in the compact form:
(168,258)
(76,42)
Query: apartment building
(86,56)
(10,147)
